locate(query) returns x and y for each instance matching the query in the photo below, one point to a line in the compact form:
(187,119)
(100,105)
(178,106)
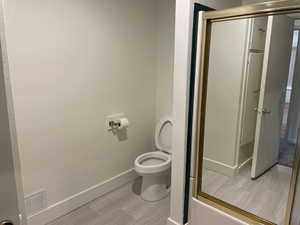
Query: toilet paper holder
(114,124)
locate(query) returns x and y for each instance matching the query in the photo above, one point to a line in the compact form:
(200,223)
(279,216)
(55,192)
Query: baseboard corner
(172,222)
(73,202)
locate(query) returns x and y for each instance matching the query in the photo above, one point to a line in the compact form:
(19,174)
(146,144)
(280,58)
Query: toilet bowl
(155,167)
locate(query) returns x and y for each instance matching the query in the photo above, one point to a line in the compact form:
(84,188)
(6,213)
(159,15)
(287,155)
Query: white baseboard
(172,222)
(67,205)
(245,163)
(219,167)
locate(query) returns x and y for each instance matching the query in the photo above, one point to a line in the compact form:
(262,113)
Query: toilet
(155,167)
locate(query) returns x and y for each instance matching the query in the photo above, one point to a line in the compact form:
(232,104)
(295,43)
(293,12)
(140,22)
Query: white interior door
(273,84)
(9,208)
(258,31)
(254,71)
(11,196)
(11,188)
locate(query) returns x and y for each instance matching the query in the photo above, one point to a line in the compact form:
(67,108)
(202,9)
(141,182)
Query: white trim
(196,96)
(172,222)
(63,207)
(242,102)
(182,56)
(219,167)
(11,117)
(211,215)
(245,163)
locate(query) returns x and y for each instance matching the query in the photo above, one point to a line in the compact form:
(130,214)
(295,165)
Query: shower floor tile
(122,206)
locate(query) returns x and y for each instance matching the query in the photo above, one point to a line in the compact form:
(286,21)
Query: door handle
(264,110)
(6,222)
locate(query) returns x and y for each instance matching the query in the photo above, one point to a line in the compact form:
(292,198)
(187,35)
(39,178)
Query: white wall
(183,34)
(165,57)
(72,64)
(224,94)
(250,2)
(221,4)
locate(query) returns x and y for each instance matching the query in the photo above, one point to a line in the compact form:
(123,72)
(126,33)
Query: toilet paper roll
(124,123)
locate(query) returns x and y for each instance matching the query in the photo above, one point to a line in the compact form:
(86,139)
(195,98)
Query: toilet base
(155,187)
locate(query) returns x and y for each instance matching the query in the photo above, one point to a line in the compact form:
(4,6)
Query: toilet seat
(155,167)
(152,162)
(163,134)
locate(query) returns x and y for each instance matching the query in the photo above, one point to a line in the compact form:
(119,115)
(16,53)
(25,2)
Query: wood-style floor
(265,197)
(120,207)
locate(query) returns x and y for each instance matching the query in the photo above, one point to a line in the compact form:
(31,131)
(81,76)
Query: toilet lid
(163,134)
